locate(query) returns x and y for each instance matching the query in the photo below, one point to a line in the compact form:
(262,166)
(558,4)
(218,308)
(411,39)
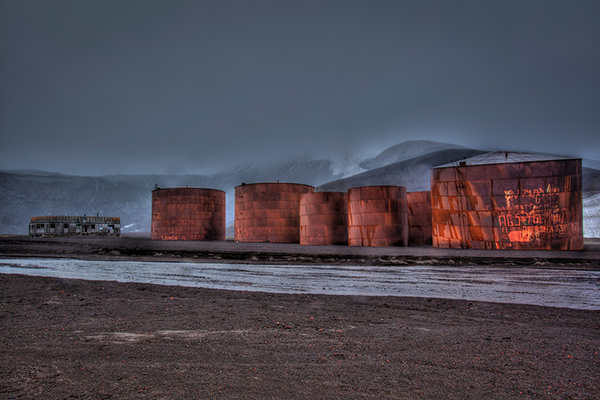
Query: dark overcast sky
(94,87)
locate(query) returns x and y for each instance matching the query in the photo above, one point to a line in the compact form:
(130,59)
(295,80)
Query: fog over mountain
(27,193)
(412,173)
(119,96)
(405,151)
(184,87)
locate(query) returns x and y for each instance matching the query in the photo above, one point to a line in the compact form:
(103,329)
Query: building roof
(75,219)
(505,157)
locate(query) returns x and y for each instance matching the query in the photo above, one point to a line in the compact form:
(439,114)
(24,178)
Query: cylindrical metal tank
(268,212)
(377,216)
(188,214)
(508,200)
(419,218)
(324,218)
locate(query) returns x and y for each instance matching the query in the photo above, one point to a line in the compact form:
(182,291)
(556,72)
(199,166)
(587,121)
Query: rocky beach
(75,339)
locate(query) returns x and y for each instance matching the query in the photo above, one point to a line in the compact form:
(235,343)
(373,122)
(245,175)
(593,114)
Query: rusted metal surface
(61,225)
(268,212)
(520,205)
(419,218)
(188,214)
(377,216)
(324,218)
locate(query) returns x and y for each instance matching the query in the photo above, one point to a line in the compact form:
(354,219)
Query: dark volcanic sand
(75,339)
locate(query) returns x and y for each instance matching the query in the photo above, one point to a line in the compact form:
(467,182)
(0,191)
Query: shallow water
(547,287)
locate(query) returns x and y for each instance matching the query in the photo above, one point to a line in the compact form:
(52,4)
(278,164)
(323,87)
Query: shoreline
(145,249)
(79,339)
(524,285)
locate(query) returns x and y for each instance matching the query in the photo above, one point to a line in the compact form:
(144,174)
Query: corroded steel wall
(268,212)
(521,205)
(324,218)
(419,218)
(377,216)
(188,214)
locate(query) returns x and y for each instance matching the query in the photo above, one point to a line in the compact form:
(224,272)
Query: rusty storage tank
(506,200)
(419,218)
(377,216)
(186,213)
(324,218)
(268,212)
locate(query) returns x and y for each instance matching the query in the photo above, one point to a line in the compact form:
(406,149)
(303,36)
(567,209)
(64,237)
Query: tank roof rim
(328,191)
(276,183)
(71,216)
(193,188)
(369,186)
(481,157)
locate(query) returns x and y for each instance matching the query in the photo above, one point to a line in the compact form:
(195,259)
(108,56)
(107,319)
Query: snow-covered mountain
(591,202)
(27,193)
(405,151)
(412,173)
(591,214)
(23,196)
(306,171)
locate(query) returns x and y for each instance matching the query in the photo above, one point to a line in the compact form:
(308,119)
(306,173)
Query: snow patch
(591,214)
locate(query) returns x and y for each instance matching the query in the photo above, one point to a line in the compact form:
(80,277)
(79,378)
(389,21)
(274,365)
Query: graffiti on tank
(532,215)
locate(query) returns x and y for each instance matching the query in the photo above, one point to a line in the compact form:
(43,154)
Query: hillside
(405,151)
(306,171)
(27,193)
(413,173)
(24,196)
(35,193)
(591,202)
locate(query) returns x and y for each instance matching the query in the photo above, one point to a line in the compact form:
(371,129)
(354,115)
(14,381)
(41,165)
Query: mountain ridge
(412,173)
(28,193)
(405,151)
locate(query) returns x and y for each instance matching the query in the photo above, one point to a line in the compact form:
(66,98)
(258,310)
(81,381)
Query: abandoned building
(62,225)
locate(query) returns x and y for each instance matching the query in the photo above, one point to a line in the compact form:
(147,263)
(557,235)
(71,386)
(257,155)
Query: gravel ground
(76,339)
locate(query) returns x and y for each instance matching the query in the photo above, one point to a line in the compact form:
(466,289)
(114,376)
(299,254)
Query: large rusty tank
(377,216)
(188,214)
(268,212)
(506,200)
(324,218)
(419,218)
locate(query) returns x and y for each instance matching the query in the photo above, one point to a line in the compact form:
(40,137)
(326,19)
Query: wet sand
(76,339)
(563,287)
(141,248)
